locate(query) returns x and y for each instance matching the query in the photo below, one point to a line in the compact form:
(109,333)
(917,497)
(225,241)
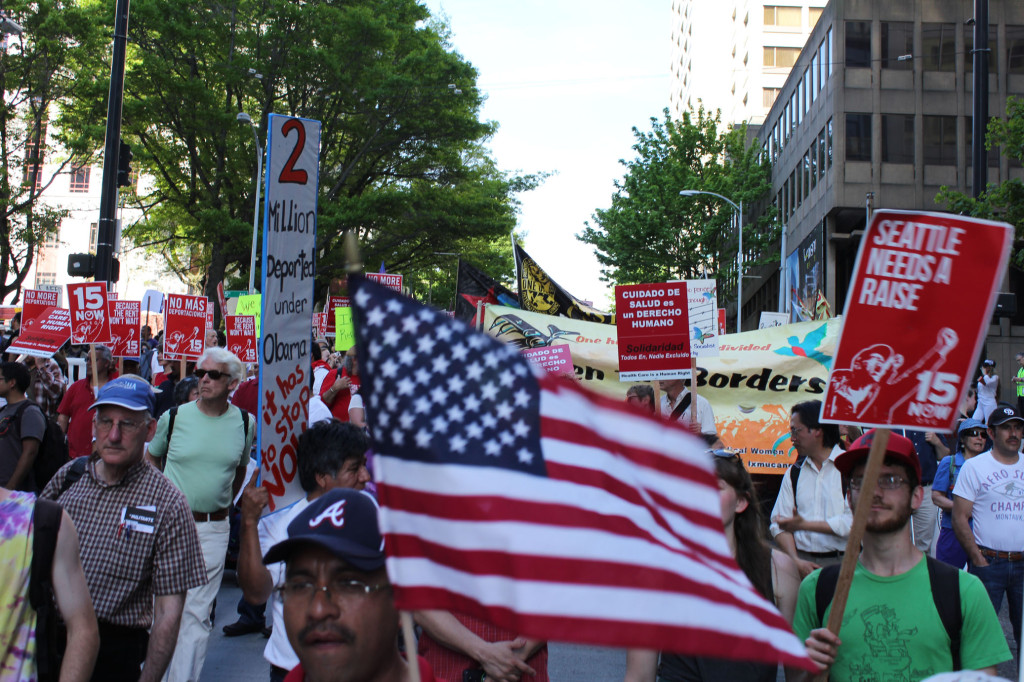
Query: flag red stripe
(579,434)
(602,481)
(596,572)
(684,640)
(485,508)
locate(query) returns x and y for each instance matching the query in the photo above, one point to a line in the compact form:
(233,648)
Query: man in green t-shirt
(891,629)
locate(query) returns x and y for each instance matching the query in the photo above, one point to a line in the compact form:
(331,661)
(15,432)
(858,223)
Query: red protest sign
(393,282)
(89,321)
(553,359)
(653,329)
(36,302)
(320,324)
(241,333)
(43,336)
(922,294)
(185,326)
(125,319)
(332,303)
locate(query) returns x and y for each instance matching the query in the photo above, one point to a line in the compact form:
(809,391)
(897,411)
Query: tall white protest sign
(289,265)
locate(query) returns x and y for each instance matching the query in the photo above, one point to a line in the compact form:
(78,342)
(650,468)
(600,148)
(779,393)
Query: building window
(35,152)
(808,90)
(829,126)
(801,96)
(822,64)
(898,138)
(992,154)
(897,42)
(940,140)
(831,52)
(814,163)
(993,63)
(79,179)
(1015,49)
(821,152)
(782,57)
(938,47)
(813,14)
(768,97)
(788,17)
(858,44)
(858,137)
(46,279)
(794,107)
(806,179)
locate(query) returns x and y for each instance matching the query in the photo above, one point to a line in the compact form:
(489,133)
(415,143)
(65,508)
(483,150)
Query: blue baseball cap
(969,424)
(130,392)
(344,522)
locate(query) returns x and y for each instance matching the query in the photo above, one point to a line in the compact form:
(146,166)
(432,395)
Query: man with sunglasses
(988,513)
(892,628)
(140,552)
(205,454)
(337,602)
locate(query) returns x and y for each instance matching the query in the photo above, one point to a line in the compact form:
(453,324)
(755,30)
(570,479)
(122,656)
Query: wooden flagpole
(860,519)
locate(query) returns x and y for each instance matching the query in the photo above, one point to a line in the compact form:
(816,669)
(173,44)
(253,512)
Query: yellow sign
(752,384)
(345,331)
(250,305)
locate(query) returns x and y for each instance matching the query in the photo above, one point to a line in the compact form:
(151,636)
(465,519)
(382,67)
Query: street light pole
(739,252)
(244,118)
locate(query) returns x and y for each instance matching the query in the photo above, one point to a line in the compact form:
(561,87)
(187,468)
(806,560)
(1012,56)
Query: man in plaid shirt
(140,549)
(47,387)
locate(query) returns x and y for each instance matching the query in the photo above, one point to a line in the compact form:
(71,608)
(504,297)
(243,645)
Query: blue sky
(566,80)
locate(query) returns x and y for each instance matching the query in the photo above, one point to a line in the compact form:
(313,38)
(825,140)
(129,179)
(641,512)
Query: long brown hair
(753,553)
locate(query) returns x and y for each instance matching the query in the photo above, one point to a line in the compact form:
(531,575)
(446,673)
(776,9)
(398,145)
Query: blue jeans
(1004,576)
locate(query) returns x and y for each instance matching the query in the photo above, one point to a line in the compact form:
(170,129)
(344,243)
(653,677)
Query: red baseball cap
(899,448)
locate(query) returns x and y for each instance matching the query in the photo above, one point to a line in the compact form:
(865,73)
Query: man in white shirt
(677,394)
(812,522)
(990,492)
(330,455)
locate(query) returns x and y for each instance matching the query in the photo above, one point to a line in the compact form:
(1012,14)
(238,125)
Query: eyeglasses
(125,426)
(974,433)
(214,374)
(885,482)
(724,453)
(336,590)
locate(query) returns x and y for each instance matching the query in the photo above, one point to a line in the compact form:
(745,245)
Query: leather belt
(834,554)
(1000,554)
(202,517)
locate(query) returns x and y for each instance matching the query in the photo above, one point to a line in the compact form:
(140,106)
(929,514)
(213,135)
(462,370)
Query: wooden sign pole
(181,369)
(860,519)
(92,362)
(693,393)
(657,397)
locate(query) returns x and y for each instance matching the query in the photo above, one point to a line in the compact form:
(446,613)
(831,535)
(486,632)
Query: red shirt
(247,396)
(426,674)
(75,406)
(339,408)
(451,663)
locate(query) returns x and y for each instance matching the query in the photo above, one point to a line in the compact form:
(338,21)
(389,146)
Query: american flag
(543,508)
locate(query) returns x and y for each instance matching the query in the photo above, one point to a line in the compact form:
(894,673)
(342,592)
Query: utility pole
(107,228)
(979,120)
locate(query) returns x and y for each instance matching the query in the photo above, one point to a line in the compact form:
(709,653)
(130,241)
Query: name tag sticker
(141,519)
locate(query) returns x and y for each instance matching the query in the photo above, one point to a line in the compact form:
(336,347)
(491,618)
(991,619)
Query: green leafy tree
(401,158)
(652,234)
(1004,201)
(41,73)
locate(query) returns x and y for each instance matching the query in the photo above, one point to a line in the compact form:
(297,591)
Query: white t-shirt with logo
(997,491)
(273,528)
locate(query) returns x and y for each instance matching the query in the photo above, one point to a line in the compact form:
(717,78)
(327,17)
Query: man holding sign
(895,628)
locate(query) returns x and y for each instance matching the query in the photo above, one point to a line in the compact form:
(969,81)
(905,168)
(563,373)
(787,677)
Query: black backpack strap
(945,584)
(825,590)
(794,476)
(45,526)
(245,426)
(170,424)
(681,407)
(71,476)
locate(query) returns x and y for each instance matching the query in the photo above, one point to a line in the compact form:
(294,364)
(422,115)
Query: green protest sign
(250,305)
(345,331)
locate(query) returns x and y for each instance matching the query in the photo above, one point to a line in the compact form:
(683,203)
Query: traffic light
(124,168)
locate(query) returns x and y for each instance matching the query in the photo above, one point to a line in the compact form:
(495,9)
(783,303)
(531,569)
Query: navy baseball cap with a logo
(344,522)
(1004,412)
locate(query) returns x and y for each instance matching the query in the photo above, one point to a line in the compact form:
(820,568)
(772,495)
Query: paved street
(240,659)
